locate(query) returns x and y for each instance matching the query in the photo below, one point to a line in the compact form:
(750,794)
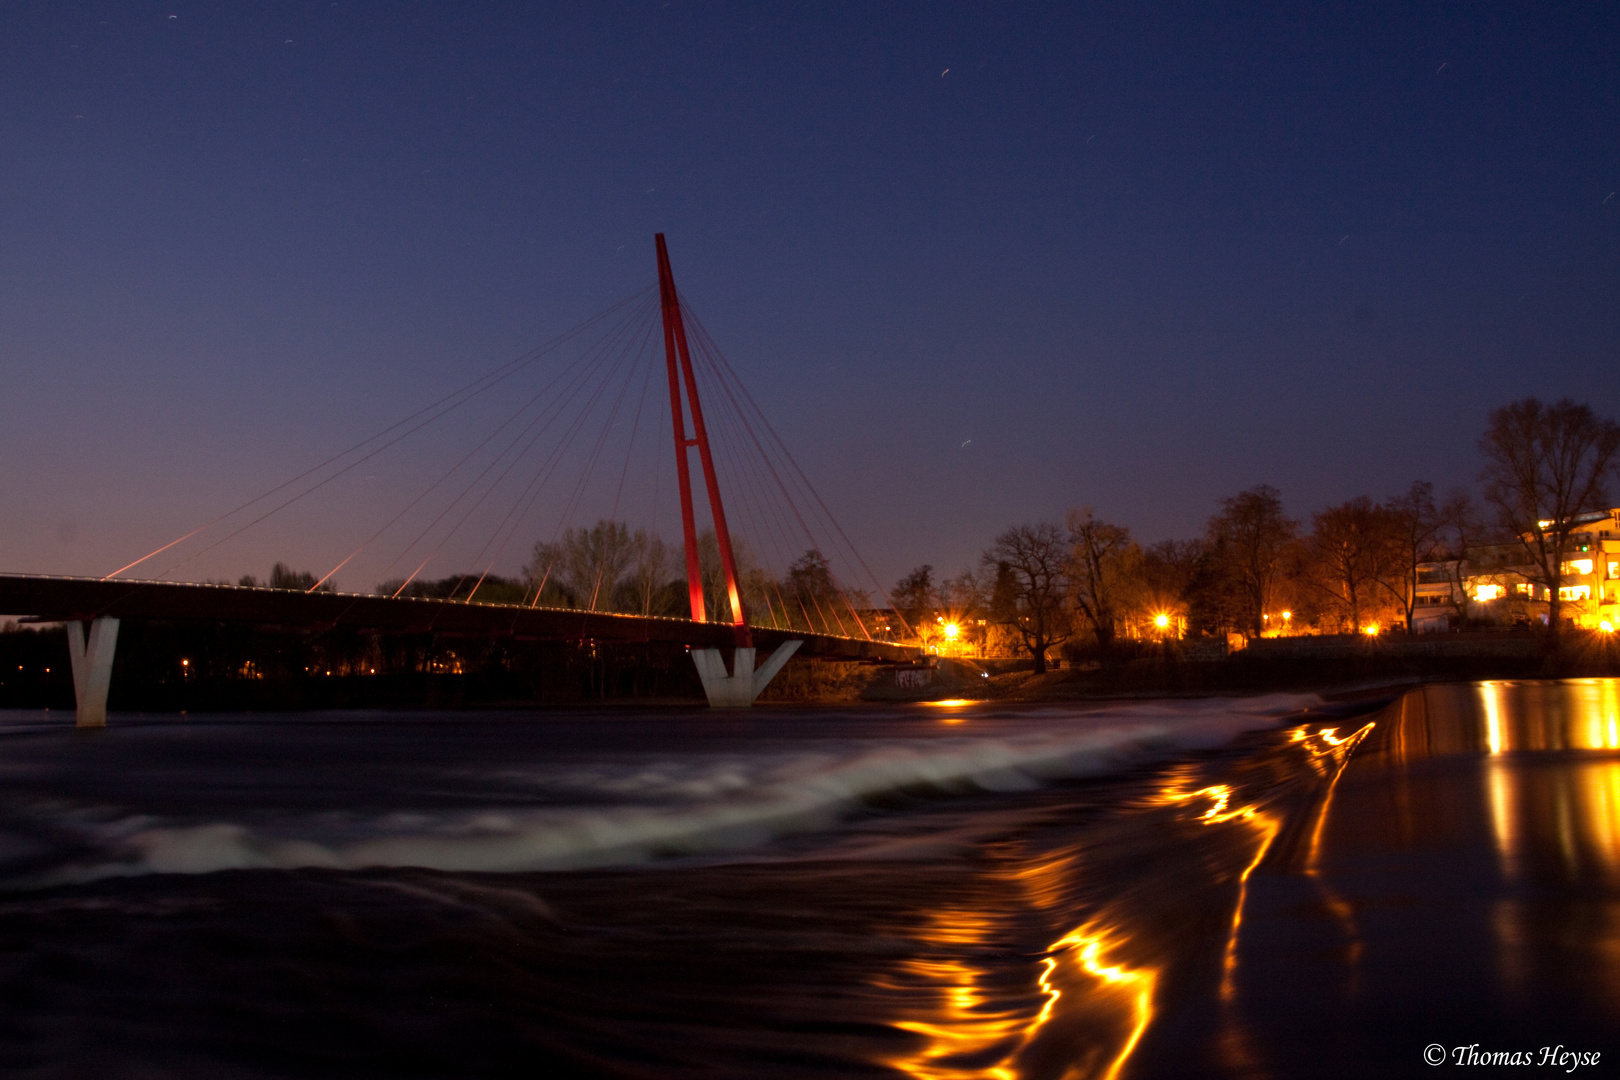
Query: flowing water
(950,890)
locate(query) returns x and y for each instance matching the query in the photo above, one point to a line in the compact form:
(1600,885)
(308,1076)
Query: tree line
(1086,582)
(611,567)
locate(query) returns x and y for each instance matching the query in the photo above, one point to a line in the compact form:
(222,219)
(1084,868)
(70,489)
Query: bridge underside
(88,600)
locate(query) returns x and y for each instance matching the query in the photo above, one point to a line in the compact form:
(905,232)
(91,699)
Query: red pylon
(677,353)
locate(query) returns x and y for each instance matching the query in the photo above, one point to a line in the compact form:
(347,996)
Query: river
(1242,887)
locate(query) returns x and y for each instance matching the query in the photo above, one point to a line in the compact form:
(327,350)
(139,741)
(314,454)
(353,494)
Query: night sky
(979,262)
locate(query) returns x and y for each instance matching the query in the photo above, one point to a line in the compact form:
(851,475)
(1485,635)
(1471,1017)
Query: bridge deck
(88,598)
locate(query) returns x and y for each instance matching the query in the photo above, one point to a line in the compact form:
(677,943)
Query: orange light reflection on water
(1342,912)
(969,1035)
(968,1029)
(1086,946)
(951,703)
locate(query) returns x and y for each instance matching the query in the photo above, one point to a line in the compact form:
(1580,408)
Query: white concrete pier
(92,668)
(738,689)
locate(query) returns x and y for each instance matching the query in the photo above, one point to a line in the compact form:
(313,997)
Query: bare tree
(1029,563)
(645,589)
(1413,525)
(585,565)
(1351,545)
(1250,536)
(1460,530)
(1101,559)
(1545,465)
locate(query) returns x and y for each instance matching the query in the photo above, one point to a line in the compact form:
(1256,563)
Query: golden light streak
(1342,912)
(968,1027)
(968,1035)
(1270,827)
(1089,946)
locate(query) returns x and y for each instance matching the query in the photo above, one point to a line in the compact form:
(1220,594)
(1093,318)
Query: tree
(1545,465)
(1460,529)
(646,588)
(1249,537)
(1414,526)
(585,565)
(1165,576)
(490,588)
(283,576)
(915,597)
(1351,545)
(1101,559)
(810,589)
(1029,564)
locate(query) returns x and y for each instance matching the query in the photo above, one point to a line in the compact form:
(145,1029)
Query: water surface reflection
(1459,884)
(1149,895)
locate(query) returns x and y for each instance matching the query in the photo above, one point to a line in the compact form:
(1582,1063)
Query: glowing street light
(951,631)
(1162,621)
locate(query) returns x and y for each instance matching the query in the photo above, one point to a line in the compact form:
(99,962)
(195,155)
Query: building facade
(1496,584)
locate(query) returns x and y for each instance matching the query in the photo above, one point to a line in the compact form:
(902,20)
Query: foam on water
(618,808)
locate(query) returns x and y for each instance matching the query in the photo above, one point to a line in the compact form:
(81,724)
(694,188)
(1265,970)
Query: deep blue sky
(1143,256)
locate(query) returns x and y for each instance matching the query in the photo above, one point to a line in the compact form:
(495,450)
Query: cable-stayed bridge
(504,485)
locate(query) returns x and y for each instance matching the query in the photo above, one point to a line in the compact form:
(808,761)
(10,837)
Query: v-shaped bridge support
(739,689)
(92,668)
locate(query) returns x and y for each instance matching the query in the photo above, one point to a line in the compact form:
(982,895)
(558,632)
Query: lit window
(1575,592)
(1482,593)
(1580,566)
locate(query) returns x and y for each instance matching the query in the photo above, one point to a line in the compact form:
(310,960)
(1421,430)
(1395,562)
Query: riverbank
(1301,665)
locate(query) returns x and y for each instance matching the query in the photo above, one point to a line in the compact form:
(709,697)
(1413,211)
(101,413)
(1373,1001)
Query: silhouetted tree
(811,595)
(1351,547)
(283,576)
(491,588)
(1029,563)
(1545,465)
(1164,576)
(915,598)
(1249,538)
(1102,560)
(1414,524)
(1461,527)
